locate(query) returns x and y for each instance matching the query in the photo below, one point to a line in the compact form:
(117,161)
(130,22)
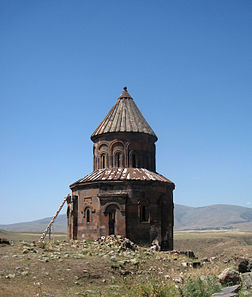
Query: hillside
(217,216)
(59,226)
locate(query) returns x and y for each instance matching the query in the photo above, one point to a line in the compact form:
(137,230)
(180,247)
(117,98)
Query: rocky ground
(111,266)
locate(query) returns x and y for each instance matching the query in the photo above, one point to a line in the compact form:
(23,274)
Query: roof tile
(122,174)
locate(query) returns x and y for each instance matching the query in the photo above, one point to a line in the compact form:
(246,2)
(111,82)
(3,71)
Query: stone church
(124,195)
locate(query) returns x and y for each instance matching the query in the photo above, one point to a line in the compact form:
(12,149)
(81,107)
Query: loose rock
(155,245)
(4,241)
(246,280)
(244,266)
(229,277)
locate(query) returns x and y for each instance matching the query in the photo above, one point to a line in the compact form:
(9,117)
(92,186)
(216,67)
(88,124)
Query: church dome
(124,195)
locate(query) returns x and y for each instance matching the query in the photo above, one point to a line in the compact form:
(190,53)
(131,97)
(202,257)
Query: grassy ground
(62,268)
(16,236)
(208,244)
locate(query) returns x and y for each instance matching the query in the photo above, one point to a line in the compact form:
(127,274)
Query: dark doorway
(112,222)
(112,211)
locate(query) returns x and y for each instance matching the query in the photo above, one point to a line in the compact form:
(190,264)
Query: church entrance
(112,213)
(112,221)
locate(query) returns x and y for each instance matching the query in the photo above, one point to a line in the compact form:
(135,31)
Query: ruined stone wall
(167,219)
(142,211)
(157,200)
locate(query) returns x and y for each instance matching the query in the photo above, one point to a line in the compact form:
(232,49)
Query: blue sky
(63,64)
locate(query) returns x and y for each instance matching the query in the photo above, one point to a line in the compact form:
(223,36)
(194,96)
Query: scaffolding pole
(48,228)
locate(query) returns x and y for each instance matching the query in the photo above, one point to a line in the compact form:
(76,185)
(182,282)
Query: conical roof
(124,116)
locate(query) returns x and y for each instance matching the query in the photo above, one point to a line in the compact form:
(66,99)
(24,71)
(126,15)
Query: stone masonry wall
(141,211)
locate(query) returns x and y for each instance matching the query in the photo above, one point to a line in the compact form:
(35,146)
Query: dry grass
(214,243)
(16,236)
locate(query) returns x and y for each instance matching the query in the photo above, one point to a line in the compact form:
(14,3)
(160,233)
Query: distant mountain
(59,226)
(219,216)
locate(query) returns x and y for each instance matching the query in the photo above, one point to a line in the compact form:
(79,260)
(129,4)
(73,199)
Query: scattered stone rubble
(189,254)
(117,240)
(126,258)
(237,280)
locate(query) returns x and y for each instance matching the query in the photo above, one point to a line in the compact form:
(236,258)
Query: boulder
(155,245)
(246,280)
(229,277)
(10,276)
(244,266)
(228,292)
(4,241)
(196,264)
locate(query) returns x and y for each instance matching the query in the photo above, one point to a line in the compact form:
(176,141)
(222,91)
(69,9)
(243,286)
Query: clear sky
(63,64)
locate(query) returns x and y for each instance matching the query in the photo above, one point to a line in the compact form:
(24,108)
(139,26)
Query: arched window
(118,159)
(103,161)
(87,215)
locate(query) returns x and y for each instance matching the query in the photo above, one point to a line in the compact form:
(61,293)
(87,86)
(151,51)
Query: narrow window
(144,214)
(103,161)
(147,162)
(133,160)
(117,160)
(88,216)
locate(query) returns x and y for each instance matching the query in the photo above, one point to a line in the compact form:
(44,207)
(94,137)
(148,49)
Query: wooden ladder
(53,219)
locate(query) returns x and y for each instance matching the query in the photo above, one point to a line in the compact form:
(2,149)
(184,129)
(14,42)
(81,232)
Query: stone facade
(123,195)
